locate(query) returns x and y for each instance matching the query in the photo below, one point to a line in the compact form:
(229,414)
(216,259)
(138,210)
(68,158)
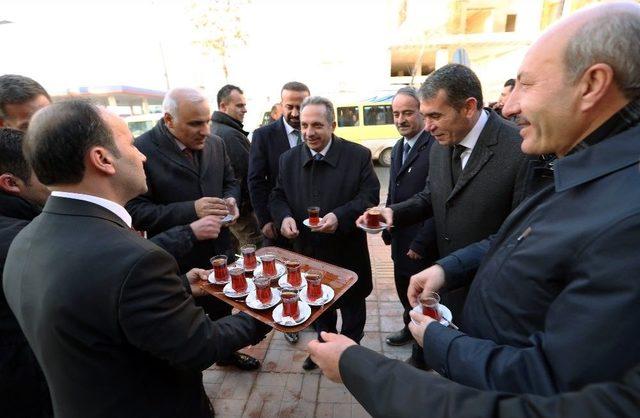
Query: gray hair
(317,100)
(612,38)
(459,83)
(176,95)
(408,91)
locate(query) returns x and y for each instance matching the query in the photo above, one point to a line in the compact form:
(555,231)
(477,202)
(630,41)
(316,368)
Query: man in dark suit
(408,176)
(101,307)
(23,388)
(474,168)
(267,144)
(337,176)
(227,124)
(553,305)
(189,176)
(389,388)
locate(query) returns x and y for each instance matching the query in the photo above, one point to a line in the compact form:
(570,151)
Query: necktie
(190,156)
(405,152)
(298,137)
(456,162)
(318,157)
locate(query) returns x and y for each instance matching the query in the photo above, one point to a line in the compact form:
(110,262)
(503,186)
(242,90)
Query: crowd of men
(524,216)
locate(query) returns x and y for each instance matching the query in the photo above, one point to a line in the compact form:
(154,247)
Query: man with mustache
(473,168)
(554,305)
(189,177)
(267,145)
(412,246)
(337,176)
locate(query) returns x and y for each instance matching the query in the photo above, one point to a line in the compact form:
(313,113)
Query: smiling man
(412,246)
(474,168)
(337,176)
(190,178)
(554,306)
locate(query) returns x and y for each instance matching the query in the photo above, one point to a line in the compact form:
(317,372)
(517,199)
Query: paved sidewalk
(281,388)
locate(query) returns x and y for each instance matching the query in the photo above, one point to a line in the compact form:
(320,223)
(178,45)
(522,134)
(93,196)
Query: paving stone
(299,409)
(342,410)
(228,407)
(213,376)
(334,395)
(391,323)
(271,379)
(310,385)
(372,341)
(358,411)
(324,410)
(236,385)
(268,393)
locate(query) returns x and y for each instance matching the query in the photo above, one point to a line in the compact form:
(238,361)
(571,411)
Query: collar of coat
(16,207)
(224,119)
(614,153)
(74,207)
(332,157)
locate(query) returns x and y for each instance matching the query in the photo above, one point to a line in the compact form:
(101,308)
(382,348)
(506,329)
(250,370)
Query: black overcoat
(343,183)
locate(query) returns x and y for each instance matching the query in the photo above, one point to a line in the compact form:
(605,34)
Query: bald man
(554,304)
(189,177)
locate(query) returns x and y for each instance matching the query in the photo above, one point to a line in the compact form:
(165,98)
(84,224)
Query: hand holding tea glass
(288,229)
(232,208)
(328,224)
(428,280)
(385,215)
(194,276)
(210,206)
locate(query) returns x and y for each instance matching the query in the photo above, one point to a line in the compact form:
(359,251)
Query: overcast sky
(333,45)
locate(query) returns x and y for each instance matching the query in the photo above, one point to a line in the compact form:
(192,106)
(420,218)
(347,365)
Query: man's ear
(10,184)
(101,160)
(595,83)
(168,120)
(470,106)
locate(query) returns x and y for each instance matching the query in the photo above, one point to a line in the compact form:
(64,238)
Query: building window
(479,21)
(348,116)
(378,115)
(511,23)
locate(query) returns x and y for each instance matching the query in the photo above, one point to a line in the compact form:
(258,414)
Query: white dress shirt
(324,150)
(293,139)
(470,140)
(411,143)
(118,210)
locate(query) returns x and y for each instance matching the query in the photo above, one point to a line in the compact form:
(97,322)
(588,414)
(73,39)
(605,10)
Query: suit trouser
(402,286)
(280,242)
(354,317)
(246,230)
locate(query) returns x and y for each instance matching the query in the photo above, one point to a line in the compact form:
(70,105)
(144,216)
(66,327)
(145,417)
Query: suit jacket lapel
(169,149)
(205,158)
(397,160)
(283,139)
(479,156)
(418,147)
